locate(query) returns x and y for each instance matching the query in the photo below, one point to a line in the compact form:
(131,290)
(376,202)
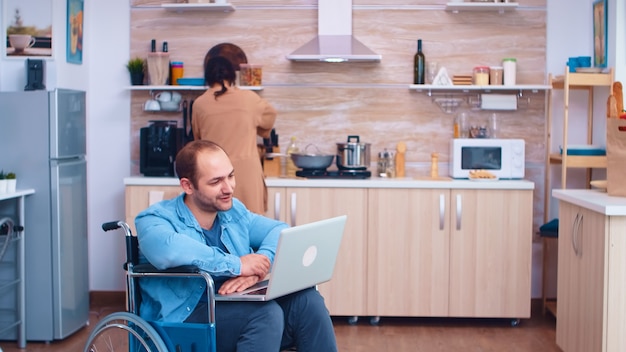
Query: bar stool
(549,233)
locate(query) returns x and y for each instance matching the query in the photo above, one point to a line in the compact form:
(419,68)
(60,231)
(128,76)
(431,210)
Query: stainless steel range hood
(334,42)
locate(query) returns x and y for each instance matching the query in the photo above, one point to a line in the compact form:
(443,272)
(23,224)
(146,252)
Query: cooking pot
(312,161)
(353,155)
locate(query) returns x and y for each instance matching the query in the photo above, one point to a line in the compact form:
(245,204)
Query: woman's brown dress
(233,121)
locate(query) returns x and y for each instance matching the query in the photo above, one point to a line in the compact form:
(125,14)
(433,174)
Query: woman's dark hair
(219,70)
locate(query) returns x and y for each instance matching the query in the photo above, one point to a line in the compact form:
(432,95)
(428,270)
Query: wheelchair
(127,331)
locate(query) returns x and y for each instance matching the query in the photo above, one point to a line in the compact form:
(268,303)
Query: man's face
(216,182)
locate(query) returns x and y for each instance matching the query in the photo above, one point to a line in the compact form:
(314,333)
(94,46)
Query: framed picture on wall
(600,33)
(27,28)
(74,44)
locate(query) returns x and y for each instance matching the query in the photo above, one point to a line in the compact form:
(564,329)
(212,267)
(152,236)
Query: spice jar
(481,76)
(386,166)
(495,75)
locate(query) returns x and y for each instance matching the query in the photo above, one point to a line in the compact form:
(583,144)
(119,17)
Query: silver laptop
(305,257)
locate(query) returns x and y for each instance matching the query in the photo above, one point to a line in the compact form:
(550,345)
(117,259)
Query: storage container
(481,76)
(251,74)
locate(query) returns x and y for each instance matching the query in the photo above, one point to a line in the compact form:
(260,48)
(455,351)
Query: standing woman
(232,118)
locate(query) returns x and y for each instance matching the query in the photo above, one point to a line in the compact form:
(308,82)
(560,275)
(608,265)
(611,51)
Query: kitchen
(366,96)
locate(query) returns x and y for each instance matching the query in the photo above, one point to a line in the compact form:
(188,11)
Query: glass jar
(386,166)
(481,76)
(495,75)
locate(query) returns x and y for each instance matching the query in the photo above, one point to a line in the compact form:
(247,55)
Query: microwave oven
(505,158)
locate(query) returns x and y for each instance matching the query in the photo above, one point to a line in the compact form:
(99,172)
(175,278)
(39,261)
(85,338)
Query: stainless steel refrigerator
(43,140)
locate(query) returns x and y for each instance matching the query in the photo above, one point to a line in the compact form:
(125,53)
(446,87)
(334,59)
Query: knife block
(271,166)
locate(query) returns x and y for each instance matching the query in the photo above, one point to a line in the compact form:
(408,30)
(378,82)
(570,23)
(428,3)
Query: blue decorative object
(74,46)
(190,81)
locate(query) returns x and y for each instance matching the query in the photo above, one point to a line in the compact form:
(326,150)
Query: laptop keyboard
(260,291)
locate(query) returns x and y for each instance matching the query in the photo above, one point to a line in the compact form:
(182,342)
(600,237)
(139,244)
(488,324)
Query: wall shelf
(464,89)
(177,87)
(202,7)
(501,7)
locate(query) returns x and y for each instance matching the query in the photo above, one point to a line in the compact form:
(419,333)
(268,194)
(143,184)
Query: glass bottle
(493,126)
(460,126)
(419,62)
(290,166)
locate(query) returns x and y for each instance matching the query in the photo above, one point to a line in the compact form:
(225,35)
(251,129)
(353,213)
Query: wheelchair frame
(149,336)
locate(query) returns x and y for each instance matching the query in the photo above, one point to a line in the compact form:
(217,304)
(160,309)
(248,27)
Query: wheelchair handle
(132,252)
(114,225)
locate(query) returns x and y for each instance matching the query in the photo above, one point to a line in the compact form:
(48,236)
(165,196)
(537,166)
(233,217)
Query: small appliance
(34,74)
(505,158)
(159,143)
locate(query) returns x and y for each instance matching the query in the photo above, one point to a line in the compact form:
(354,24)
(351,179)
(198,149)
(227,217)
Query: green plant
(135,65)
(2,175)
(11,176)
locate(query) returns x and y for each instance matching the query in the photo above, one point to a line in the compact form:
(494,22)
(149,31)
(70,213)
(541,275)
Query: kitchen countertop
(596,200)
(374,182)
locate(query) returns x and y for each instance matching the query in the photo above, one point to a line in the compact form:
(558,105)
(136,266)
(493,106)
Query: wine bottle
(418,64)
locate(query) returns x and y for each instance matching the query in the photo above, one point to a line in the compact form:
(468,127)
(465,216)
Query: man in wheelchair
(206,227)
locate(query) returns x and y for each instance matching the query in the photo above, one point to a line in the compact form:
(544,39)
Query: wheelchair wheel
(123,331)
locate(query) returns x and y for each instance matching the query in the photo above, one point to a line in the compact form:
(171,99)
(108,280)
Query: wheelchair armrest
(149,268)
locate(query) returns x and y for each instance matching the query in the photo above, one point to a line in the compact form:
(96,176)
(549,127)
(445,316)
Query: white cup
(219,1)
(163,96)
(19,42)
(176,97)
(152,105)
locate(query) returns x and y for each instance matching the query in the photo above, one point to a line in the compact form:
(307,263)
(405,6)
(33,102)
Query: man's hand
(255,264)
(238,284)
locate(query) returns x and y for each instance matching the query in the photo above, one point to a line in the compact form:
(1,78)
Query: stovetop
(347,174)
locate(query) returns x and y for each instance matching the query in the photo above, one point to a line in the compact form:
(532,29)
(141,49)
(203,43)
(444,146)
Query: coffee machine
(159,143)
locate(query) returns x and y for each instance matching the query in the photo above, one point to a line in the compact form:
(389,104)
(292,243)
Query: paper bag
(616,157)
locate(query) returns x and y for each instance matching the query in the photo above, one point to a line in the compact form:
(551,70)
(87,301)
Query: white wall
(108,136)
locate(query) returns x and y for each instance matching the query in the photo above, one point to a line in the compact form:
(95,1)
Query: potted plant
(11,179)
(3,182)
(135,67)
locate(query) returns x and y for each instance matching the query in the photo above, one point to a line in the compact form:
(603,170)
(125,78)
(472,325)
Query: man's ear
(186,185)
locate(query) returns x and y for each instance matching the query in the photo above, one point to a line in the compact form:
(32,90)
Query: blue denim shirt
(170,236)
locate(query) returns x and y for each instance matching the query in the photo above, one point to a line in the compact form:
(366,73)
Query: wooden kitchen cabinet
(456,253)
(345,293)
(139,198)
(591,304)
(490,253)
(408,252)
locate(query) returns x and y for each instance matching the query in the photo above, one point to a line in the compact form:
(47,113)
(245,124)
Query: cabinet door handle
(579,234)
(459,211)
(573,232)
(293,209)
(576,233)
(277,206)
(442,211)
